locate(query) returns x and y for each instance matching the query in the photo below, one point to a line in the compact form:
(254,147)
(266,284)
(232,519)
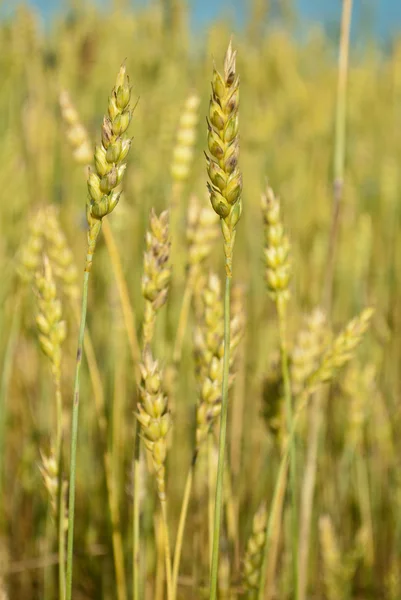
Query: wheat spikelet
(59,253)
(157,271)
(154,417)
(342,349)
(225,184)
(49,471)
(277,248)
(50,474)
(186,137)
(51,327)
(110,163)
(76,133)
(209,355)
(30,252)
(359,385)
(201,233)
(254,550)
(310,342)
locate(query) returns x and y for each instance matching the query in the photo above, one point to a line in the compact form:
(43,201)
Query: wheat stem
(274,519)
(61,539)
(282,318)
(339,148)
(117,543)
(60,489)
(135,515)
(74,437)
(222,441)
(181,525)
(338,185)
(308,489)
(211,483)
(167,551)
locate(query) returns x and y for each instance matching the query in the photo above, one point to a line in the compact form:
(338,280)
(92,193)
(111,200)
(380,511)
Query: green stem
(135,516)
(338,185)
(308,489)
(275,515)
(74,436)
(118,551)
(167,551)
(211,483)
(339,150)
(222,442)
(48,590)
(279,490)
(61,542)
(282,318)
(181,526)
(60,492)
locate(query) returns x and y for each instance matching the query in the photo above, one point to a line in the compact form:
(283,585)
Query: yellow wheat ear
(225,185)
(110,165)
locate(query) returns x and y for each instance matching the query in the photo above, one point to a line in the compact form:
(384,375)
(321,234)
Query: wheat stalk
(225,188)
(103,198)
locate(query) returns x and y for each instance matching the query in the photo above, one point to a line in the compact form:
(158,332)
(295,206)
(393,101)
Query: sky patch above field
(382,18)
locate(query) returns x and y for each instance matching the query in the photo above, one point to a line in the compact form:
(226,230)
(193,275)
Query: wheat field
(245,306)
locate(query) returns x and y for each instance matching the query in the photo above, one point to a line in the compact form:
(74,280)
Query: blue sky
(382,16)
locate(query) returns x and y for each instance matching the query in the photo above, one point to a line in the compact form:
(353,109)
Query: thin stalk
(167,551)
(222,442)
(117,418)
(274,519)
(282,318)
(232,525)
(135,515)
(339,148)
(181,525)
(278,495)
(48,571)
(275,538)
(308,489)
(160,564)
(61,543)
(237,426)
(74,437)
(338,185)
(211,484)
(117,543)
(60,493)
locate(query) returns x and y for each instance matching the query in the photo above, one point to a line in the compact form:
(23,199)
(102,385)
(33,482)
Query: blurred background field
(287,116)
